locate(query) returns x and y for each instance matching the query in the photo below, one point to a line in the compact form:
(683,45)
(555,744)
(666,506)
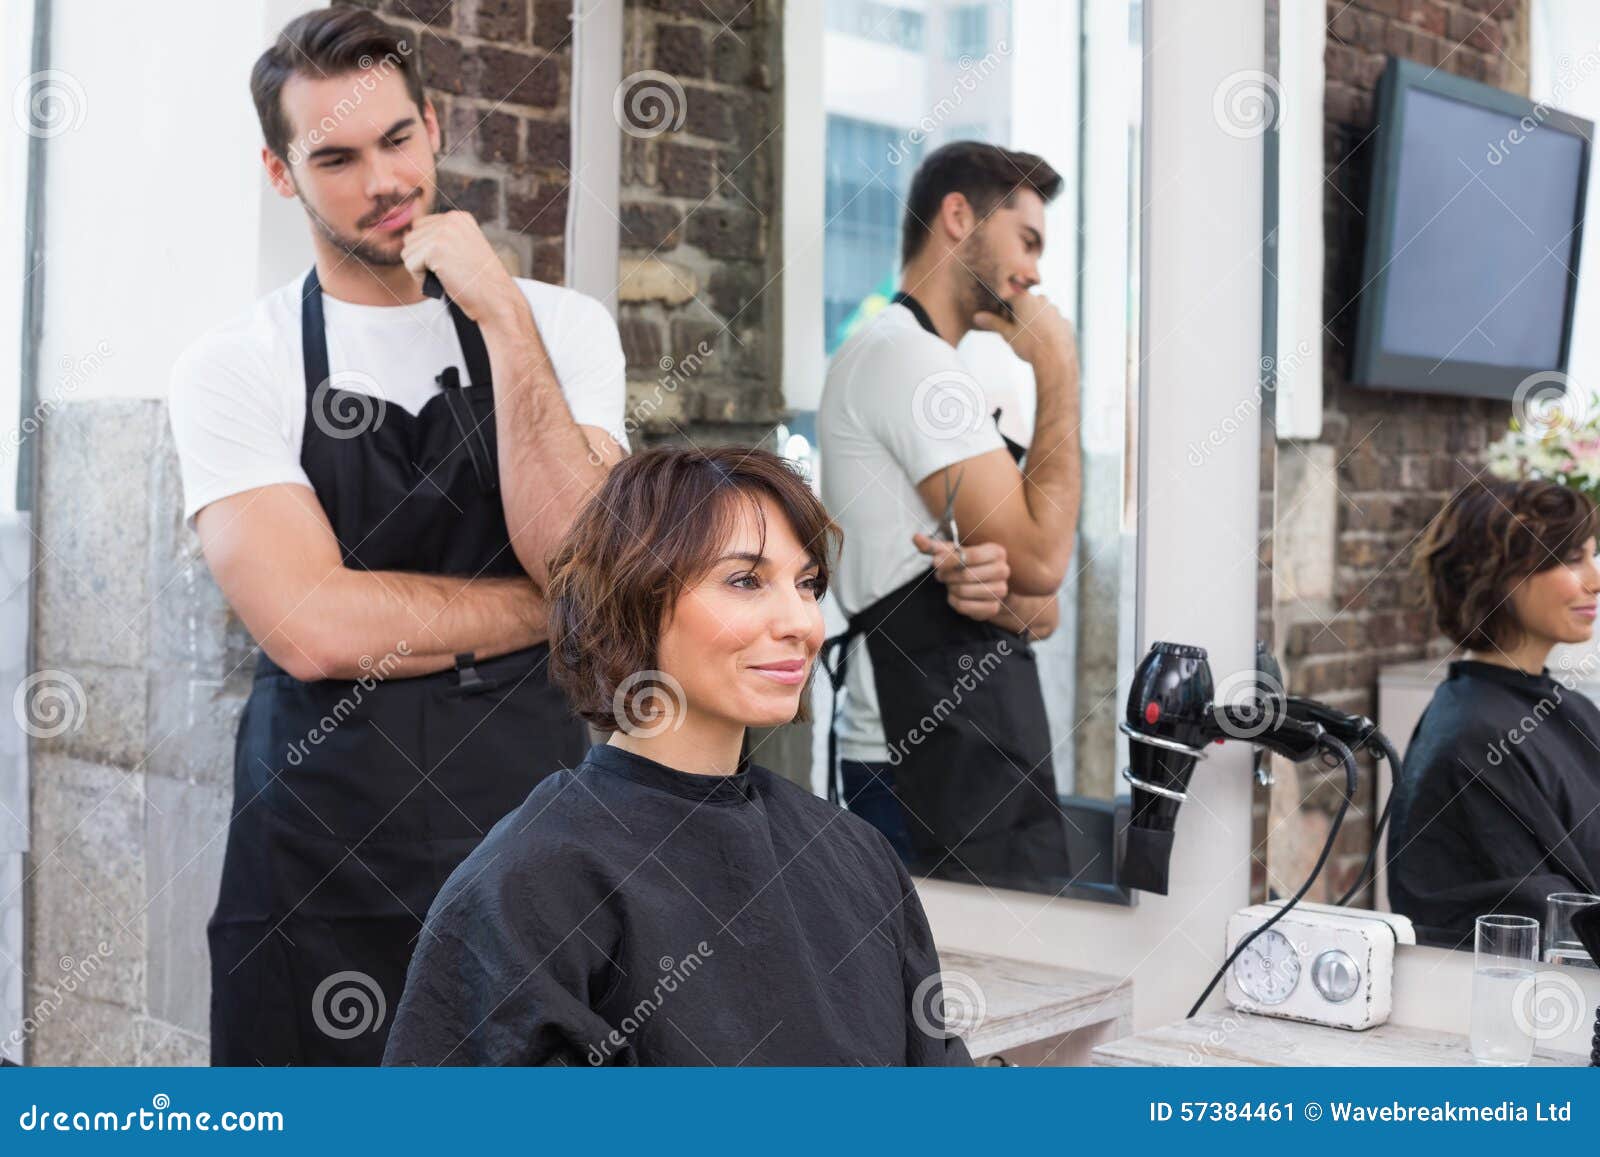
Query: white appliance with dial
(1321,964)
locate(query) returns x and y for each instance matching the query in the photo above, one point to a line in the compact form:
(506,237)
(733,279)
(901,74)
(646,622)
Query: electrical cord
(1333,747)
(1392,758)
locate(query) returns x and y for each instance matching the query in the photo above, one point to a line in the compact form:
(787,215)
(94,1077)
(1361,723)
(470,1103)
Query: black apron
(964,719)
(354,800)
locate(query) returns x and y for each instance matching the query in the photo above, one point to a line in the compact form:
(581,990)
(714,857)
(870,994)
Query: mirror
(1361,450)
(1063,83)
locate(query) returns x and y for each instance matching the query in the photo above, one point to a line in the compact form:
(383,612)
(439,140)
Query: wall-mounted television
(1473,234)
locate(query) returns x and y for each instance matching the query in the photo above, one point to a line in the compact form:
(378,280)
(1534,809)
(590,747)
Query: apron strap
(857,626)
(313,337)
(837,644)
(472,346)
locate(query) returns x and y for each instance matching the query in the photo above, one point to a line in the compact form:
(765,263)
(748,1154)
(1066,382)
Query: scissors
(947,529)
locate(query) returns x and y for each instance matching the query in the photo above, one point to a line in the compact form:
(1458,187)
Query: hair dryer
(1171,720)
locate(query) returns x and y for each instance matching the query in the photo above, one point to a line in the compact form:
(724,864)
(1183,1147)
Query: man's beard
(982,276)
(368,252)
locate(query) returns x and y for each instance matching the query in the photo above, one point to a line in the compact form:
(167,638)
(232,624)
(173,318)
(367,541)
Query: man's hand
(975,576)
(454,247)
(1036,331)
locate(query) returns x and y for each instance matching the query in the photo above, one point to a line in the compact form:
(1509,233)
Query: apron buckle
(468,681)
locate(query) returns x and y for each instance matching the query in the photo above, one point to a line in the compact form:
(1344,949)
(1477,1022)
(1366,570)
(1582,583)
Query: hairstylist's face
(1559,602)
(1002,252)
(742,640)
(360,158)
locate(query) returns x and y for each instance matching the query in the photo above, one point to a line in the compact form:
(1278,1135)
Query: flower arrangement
(1553,435)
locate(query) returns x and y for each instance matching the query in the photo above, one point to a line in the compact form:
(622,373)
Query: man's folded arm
(273,552)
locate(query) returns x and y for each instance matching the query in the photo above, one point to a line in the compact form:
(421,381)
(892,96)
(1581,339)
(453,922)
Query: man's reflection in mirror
(957,538)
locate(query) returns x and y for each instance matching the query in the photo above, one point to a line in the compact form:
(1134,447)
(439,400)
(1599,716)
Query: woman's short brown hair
(660,520)
(1490,536)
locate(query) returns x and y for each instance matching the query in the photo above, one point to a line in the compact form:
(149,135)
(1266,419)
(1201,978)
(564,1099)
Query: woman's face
(741,640)
(1559,603)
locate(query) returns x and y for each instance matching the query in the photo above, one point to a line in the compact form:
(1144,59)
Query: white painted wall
(159,220)
(16,50)
(1564,71)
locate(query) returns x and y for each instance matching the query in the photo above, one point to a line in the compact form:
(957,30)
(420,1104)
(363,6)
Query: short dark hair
(322,43)
(987,175)
(1492,534)
(657,523)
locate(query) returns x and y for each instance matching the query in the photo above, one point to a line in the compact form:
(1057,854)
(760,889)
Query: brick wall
(499,73)
(698,301)
(1395,457)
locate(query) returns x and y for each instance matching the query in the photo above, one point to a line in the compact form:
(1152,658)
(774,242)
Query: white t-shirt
(899,404)
(238,394)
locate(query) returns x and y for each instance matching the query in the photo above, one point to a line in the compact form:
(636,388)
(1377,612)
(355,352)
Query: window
(966,31)
(885,109)
(884,23)
(861,244)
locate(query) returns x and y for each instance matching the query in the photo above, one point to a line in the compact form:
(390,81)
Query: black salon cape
(629,913)
(1498,803)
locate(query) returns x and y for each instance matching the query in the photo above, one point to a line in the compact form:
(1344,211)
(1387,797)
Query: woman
(668,902)
(1498,802)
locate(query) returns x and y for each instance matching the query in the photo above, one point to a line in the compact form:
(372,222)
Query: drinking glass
(1506,957)
(1561,943)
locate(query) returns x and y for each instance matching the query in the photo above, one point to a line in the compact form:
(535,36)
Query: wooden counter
(1034,1014)
(1234,1039)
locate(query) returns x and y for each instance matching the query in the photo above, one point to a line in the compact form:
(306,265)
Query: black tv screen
(1473,235)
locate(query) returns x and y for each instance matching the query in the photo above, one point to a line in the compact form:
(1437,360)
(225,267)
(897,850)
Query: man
(376,477)
(943,701)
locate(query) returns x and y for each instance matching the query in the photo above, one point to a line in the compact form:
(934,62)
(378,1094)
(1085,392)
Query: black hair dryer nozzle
(1169,706)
